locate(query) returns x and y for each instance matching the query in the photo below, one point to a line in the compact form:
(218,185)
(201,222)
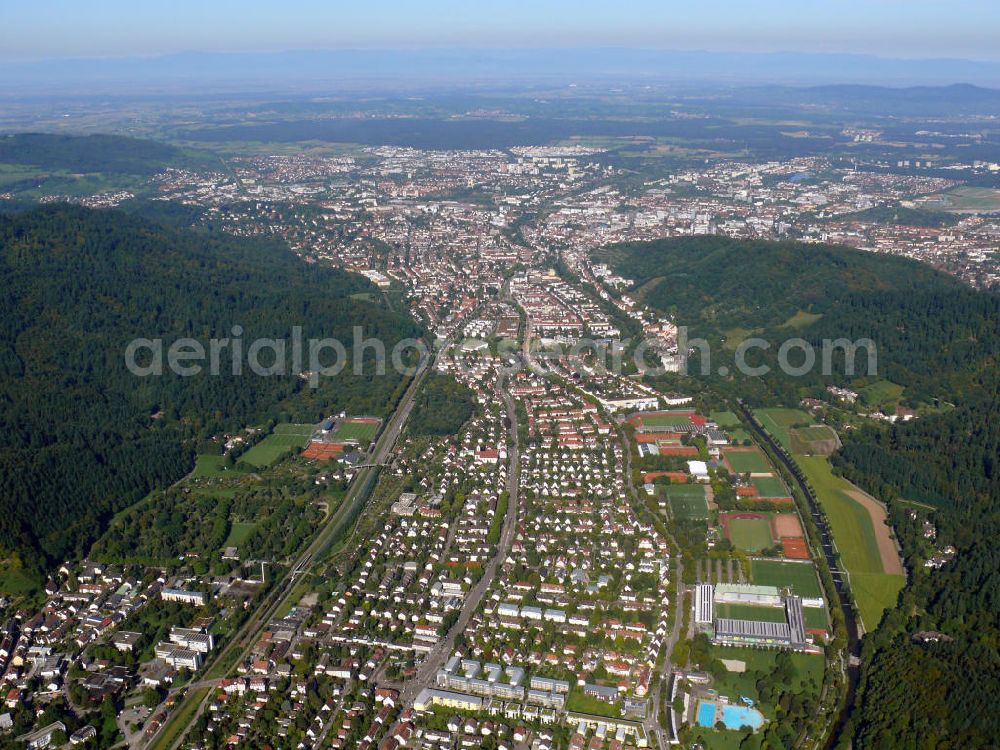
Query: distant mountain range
(330,69)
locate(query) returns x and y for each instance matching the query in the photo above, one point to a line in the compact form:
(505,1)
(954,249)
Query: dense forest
(442,406)
(80,436)
(110,154)
(937,339)
(940,693)
(932,333)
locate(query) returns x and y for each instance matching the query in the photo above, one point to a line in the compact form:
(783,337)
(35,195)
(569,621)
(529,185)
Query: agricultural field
(687,502)
(800,576)
(866,551)
(284,438)
(970,199)
(746,461)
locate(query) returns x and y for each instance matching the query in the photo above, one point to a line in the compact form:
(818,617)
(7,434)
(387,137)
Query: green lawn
(747,461)
(750,534)
(17,582)
(586,704)
(725,419)
(238,533)
(808,667)
(211,467)
(873,589)
(687,502)
(769,487)
(800,576)
(882,392)
(777,422)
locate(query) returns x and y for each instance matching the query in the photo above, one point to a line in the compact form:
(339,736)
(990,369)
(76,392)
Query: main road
(439,654)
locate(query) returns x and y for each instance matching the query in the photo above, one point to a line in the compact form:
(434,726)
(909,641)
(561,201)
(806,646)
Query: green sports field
(750,612)
(769,487)
(874,590)
(665,420)
(800,576)
(284,438)
(211,467)
(744,461)
(725,419)
(361,431)
(687,502)
(778,421)
(750,534)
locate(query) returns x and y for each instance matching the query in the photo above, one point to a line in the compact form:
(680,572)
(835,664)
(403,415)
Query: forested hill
(935,338)
(112,154)
(80,436)
(933,334)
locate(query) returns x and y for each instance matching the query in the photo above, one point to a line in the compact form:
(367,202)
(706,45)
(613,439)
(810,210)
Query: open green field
(882,392)
(750,534)
(212,467)
(290,428)
(768,487)
(800,576)
(238,533)
(361,431)
(586,704)
(815,440)
(750,612)
(17,582)
(725,419)
(808,669)
(665,420)
(778,421)
(744,461)
(285,437)
(874,589)
(687,502)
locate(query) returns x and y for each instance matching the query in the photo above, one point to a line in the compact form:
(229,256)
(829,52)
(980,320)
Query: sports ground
(285,437)
(746,460)
(687,502)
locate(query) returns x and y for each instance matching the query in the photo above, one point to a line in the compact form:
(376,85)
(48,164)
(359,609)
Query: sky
(38,30)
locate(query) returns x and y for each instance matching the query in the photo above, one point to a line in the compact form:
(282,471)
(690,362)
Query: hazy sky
(38,29)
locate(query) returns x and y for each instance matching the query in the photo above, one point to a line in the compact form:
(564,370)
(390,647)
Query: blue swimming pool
(706,714)
(733,717)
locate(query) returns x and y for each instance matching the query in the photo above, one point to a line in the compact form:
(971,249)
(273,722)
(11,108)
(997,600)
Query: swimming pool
(706,714)
(733,717)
